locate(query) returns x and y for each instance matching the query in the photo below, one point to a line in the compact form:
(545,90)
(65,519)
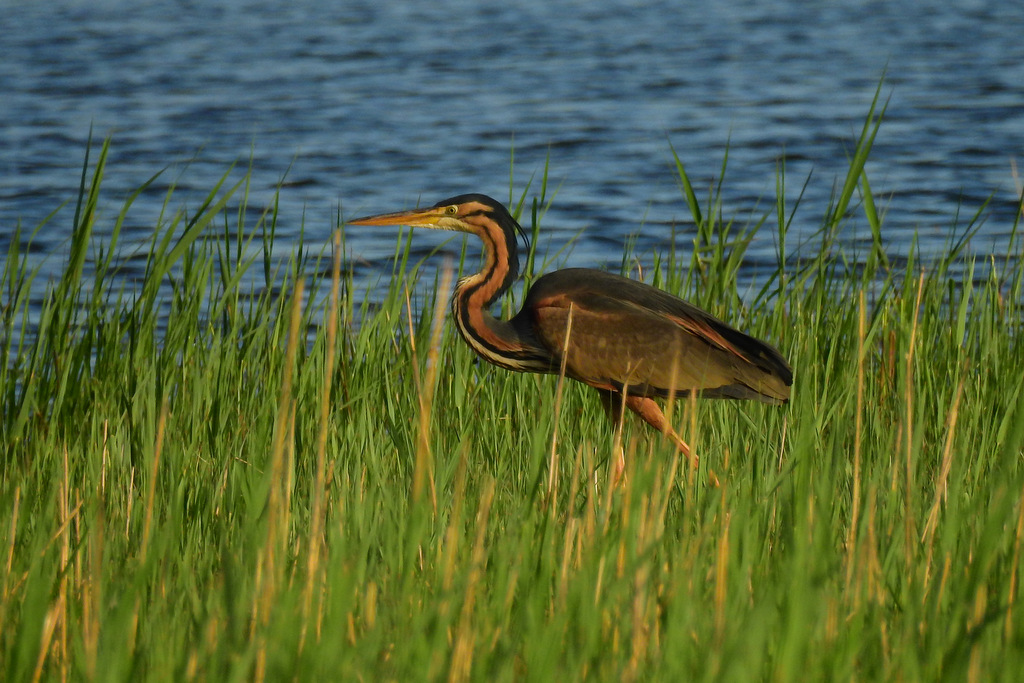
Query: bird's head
(473,213)
(477,214)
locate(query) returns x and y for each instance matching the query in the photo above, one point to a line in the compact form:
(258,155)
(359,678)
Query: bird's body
(630,341)
(630,336)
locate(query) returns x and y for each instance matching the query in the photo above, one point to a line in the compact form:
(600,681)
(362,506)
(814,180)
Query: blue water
(376,105)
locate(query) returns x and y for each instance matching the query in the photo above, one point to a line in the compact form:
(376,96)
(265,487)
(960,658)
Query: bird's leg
(611,401)
(650,413)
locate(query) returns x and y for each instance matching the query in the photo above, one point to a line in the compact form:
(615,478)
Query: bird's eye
(451,210)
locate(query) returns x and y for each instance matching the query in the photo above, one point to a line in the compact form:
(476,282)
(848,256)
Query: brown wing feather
(628,334)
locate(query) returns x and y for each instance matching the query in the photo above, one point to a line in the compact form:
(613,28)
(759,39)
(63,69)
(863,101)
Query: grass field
(284,483)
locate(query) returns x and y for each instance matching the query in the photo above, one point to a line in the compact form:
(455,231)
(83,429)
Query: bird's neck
(506,343)
(499,270)
(474,295)
(502,342)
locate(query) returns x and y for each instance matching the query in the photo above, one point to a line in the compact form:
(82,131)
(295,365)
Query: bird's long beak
(417,218)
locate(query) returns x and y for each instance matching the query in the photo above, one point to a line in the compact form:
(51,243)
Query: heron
(632,342)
